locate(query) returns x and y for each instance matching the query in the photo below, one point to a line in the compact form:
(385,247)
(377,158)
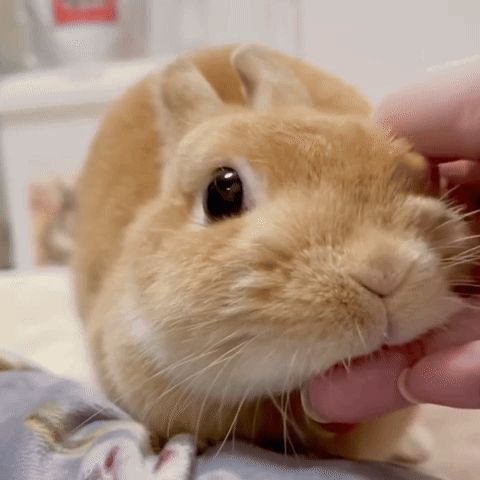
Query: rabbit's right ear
(266,81)
(184,99)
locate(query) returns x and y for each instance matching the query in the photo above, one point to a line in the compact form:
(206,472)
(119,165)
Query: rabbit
(243,225)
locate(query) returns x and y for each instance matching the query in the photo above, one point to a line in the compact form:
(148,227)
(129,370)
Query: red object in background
(84,11)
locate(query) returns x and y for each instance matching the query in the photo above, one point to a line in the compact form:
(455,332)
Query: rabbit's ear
(265,81)
(412,167)
(185,98)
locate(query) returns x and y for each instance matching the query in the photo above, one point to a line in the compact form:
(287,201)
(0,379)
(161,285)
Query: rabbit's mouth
(413,350)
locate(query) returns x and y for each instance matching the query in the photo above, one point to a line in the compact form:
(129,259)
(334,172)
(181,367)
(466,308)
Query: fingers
(462,172)
(463,328)
(370,389)
(440,115)
(449,373)
(449,377)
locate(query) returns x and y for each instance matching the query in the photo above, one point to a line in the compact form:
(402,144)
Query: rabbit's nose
(381,282)
(382,269)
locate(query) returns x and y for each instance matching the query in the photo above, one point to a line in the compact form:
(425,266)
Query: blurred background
(63,61)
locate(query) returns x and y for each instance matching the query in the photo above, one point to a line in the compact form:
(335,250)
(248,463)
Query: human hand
(441,117)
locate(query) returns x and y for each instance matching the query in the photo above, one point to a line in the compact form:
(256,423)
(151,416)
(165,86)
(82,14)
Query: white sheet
(38,321)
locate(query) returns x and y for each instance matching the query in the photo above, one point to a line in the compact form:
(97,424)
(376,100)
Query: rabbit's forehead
(290,148)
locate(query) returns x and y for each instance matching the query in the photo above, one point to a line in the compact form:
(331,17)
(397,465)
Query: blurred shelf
(76,85)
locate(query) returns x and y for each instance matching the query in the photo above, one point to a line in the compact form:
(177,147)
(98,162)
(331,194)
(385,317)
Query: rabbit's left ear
(265,81)
(184,99)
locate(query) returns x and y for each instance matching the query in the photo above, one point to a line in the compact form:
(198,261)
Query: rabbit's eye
(224,195)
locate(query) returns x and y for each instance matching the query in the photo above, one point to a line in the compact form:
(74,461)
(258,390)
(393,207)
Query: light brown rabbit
(243,226)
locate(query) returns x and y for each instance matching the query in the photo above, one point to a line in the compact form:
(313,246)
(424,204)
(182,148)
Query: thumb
(449,377)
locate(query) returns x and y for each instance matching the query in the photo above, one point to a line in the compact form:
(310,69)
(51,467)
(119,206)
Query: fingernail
(307,406)
(402,388)
(453,64)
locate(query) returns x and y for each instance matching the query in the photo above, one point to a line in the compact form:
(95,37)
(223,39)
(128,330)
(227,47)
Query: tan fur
(206,328)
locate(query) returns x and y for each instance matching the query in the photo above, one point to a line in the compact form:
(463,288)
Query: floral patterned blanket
(55,429)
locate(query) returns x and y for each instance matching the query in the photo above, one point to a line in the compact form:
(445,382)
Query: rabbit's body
(208,325)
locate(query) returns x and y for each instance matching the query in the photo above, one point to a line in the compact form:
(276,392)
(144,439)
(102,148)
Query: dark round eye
(224,195)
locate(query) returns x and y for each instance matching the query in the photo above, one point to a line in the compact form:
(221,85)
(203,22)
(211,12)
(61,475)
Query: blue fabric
(56,429)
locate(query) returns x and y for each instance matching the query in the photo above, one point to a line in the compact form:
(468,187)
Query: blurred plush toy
(52,205)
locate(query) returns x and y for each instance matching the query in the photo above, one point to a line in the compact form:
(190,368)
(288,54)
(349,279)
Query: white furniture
(47,121)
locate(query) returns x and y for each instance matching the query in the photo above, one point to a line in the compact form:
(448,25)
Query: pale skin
(441,117)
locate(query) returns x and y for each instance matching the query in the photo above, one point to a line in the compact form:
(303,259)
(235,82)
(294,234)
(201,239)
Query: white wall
(182,25)
(376,44)
(379,45)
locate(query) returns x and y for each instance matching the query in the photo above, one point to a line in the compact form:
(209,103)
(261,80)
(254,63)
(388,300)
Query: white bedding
(38,321)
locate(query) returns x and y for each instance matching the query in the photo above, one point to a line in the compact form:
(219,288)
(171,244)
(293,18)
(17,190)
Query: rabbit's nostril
(367,286)
(381,261)
(381,282)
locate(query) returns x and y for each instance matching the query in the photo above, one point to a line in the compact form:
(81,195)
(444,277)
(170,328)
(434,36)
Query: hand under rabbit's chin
(375,362)
(383,368)
(412,349)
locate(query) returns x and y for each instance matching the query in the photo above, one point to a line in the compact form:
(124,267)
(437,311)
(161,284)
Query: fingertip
(402,383)
(448,377)
(310,412)
(386,112)
(461,171)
